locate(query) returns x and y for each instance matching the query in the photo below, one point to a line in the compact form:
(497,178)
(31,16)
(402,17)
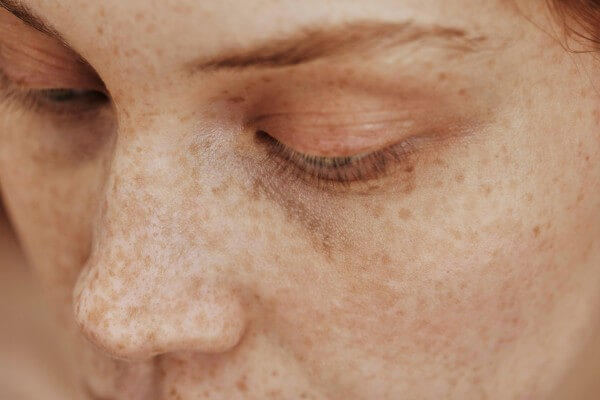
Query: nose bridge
(148,289)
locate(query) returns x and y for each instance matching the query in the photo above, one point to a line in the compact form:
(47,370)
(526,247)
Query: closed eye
(336,170)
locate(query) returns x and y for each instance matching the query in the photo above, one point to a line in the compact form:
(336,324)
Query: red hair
(581,18)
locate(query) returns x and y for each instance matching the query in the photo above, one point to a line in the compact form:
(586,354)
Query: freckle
(462,92)
(266,79)
(442,76)
(529,197)
(241,385)
(486,189)
(237,99)
(139,16)
(100,30)
(456,234)
(410,168)
(404,213)
(386,259)
(536,231)
(194,149)
(459,178)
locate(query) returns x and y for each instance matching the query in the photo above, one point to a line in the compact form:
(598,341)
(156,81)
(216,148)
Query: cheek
(459,275)
(51,202)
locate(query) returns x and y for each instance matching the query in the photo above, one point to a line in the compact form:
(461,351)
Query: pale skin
(183,262)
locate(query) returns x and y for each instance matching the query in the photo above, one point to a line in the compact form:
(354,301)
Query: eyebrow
(309,43)
(26,15)
(357,38)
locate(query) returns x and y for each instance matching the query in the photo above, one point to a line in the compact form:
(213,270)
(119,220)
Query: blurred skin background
(167,258)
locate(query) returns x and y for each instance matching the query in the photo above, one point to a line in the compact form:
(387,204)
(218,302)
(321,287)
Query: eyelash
(55,101)
(324,172)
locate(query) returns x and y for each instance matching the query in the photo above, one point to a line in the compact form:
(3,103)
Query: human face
(306,200)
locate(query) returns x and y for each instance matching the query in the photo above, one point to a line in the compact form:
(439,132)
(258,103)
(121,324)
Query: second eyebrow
(310,44)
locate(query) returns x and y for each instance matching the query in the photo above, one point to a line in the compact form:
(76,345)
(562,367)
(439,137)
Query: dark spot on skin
(237,99)
(241,384)
(194,149)
(459,178)
(536,231)
(486,189)
(404,214)
(529,197)
(222,188)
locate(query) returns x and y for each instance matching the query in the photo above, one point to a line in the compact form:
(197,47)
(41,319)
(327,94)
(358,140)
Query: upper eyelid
(355,170)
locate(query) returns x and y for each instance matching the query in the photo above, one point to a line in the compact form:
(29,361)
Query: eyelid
(339,133)
(35,61)
(88,101)
(29,75)
(336,172)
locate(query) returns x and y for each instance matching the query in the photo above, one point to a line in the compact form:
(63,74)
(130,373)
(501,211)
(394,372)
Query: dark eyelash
(327,171)
(59,101)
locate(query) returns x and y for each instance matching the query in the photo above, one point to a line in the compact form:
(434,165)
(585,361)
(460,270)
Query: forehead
(173,31)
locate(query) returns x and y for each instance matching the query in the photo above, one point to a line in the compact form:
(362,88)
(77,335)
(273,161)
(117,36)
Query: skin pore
(305,200)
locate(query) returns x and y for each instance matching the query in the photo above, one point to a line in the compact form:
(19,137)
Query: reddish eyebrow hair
(308,43)
(21,11)
(358,37)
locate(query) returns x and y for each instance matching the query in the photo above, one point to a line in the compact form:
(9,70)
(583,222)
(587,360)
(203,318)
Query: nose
(152,285)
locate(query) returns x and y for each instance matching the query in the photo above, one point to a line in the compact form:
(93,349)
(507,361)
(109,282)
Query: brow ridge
(313,43)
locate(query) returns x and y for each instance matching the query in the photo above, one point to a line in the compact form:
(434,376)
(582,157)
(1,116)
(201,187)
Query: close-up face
(253,199)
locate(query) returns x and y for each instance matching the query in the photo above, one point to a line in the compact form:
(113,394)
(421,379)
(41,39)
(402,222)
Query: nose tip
(138,320)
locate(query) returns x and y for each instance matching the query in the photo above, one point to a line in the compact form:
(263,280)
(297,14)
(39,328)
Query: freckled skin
(182,267)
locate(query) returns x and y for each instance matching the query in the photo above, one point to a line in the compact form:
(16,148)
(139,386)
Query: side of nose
(150,287)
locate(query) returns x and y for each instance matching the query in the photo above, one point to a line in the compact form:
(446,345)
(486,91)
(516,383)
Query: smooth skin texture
(185,263)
